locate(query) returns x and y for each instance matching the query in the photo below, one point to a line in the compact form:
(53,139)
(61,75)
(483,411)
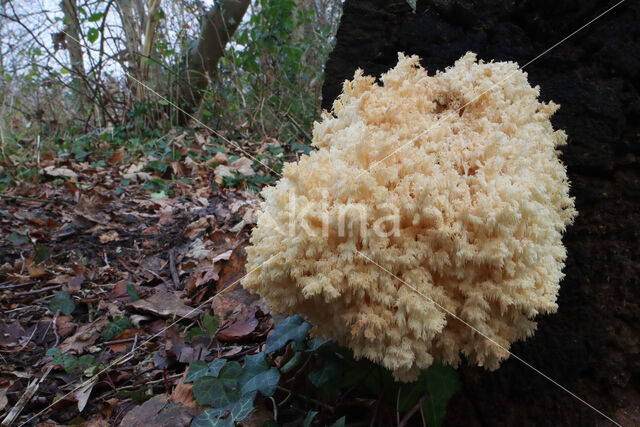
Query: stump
(591,346)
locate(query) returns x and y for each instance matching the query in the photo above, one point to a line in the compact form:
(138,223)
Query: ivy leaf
(210,324)
(219,392)
(292,363)
(56,354)
(17,239)
(442,383)
(408,394)
(113,329)
(309,418)
(331,372)
(209,418)
(95,17)
(41,254)
(199,369)
(242,408)
(133,293)
(70,364)
(257,376)
(293,328)
(62,301)
(314,344)
(237,411)
(93,34)
(339,423)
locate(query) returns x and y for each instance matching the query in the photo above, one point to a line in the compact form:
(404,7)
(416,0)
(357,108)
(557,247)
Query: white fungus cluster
(449,183)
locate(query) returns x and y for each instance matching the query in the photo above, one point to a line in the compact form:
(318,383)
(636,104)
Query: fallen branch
(28,394)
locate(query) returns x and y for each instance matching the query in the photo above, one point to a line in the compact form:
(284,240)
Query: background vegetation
(79,74)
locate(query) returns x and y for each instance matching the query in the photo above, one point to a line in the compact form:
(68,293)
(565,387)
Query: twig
(37,291)
(172,268)
(30,337)
(24,399)
(55,327)
(31,199)
(413,410)
(308,399)
(275,408)
(135,342)
(16,285)
(123,340)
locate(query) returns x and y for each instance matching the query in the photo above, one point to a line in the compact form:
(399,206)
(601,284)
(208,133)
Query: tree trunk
(590,345)
(131,34)
(147,48)
(218,25)
(72,28)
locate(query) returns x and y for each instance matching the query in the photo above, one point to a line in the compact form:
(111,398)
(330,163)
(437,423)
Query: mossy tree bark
(72,29)
(218,25)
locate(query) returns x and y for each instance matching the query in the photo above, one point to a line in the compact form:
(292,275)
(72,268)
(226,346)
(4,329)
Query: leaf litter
(114,266)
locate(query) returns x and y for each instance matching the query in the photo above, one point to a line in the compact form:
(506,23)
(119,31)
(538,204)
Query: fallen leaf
(10,334)
(35,270)
(59,280)
(221,171)
(116,157)
(109,236)
(222,256)
(75,284)
(210,274)
(126,334)
(183,393)
(154,413)
(197,250)
(165,304)
(4,401)
(83,393)
(153,263)
(196,227)
(144,414)
(65,325)
(243,166)
(233,270)
(85,336)
(219,158)
(239,325)
(53,171)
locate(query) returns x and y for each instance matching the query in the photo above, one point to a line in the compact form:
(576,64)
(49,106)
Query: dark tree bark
(591,345)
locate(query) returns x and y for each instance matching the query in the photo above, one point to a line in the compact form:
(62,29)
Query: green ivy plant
(230,388)
(85,364)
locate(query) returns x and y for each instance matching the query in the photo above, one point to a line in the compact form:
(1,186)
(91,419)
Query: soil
(591,345)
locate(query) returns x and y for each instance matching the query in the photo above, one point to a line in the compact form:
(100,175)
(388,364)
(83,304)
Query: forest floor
(105,270)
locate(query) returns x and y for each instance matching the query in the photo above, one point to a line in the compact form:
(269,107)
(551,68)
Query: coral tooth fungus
(450,182)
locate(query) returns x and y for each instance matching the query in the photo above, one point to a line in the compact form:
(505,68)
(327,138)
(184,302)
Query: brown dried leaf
(109,236)
(10,334)
(243,166)
(35,270)
(165,304)
(126,334)
(117,157)
(183,393)
(239,325)
(65,325)
(152,413)
(85,336)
